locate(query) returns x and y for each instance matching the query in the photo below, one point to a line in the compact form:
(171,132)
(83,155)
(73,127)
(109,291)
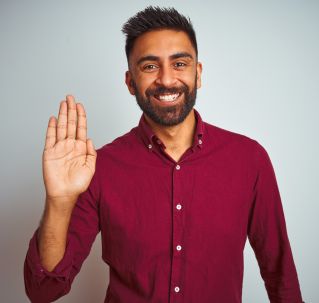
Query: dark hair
(156,18)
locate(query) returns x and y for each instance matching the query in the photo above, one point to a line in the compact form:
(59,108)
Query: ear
(129,82)
(199,69)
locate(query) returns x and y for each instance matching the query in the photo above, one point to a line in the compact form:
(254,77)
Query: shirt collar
(149,137)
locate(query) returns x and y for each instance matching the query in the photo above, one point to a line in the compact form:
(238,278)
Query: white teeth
(168,98)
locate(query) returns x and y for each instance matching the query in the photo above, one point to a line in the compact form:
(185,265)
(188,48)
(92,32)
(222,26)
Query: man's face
(164,75)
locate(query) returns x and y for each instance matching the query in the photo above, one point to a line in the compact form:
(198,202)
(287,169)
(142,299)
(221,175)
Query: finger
(91,155)
(62,121)
(81,124)
(90,148)
(50,138)
(71,124)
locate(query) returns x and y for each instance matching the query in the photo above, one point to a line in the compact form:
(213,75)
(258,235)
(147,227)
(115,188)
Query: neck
(177,138)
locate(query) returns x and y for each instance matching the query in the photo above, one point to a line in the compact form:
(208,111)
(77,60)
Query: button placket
(177,234)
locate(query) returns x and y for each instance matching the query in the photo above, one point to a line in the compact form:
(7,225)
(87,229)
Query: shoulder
(120,146)
(235,144)
(221,136)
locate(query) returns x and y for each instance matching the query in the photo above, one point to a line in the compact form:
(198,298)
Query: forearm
(53,231)
(59,247)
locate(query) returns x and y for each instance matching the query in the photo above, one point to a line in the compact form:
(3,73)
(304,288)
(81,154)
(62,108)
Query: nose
(166,76)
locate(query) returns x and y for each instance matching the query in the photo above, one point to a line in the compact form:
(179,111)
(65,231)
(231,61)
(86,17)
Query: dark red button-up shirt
(175,231)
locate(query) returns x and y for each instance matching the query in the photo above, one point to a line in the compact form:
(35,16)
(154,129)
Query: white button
(200,141)
(176,289)
(178,167)
(178,247)
(178,206)
(150,146)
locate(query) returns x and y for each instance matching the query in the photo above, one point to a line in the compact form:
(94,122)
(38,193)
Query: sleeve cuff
(62,269)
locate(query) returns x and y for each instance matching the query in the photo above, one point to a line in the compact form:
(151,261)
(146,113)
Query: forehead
(161,43)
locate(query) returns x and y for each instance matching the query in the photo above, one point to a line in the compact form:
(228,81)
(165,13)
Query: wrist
(61,206)
(56,217)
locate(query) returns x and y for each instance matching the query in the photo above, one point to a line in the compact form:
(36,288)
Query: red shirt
(175,231)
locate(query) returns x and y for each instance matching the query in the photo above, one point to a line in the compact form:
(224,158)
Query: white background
(260,78)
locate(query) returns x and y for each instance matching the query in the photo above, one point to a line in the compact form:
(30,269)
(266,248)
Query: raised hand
(69,157)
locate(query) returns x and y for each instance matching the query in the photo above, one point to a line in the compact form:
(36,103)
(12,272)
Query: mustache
(166,90)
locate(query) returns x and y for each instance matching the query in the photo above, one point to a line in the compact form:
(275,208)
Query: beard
(167,115)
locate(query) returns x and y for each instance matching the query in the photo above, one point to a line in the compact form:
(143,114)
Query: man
(175,198)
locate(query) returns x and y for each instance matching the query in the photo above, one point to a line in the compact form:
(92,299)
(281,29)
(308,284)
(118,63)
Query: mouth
(167,98)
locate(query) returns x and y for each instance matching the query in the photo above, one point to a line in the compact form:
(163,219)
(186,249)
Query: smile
(167,97)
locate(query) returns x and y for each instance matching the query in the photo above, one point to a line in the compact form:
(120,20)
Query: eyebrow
(171,57)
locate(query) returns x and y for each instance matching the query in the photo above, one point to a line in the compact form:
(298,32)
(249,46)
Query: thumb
(91,154)
(90,148)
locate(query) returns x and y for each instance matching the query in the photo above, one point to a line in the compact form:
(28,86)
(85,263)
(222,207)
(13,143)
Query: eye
(180,64)
(149,67)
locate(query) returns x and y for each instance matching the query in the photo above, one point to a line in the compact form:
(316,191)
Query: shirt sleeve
(268,235)
(43,286)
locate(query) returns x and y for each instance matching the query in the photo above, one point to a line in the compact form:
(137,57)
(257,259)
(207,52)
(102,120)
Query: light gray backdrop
(260,78)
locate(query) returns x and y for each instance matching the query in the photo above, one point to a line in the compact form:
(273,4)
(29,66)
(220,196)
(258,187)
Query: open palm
(69,157)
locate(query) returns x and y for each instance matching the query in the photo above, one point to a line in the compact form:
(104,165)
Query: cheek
(188,77)
(144,82)
(190,81)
